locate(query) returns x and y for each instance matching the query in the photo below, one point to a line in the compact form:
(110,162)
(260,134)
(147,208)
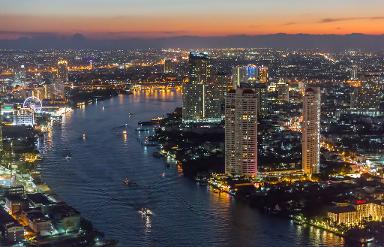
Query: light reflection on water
(185,214)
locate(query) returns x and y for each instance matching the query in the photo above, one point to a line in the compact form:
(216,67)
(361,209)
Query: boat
(127,182)
(84,136)
(145,212)
(145,123)
(162,175)
(150,143)
(68,157)
(142,129)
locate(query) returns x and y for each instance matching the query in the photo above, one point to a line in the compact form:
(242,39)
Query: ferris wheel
(33,103)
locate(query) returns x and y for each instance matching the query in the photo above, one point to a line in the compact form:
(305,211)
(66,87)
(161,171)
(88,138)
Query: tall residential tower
(311,131)
(62,78)
(201,100)
(241,132)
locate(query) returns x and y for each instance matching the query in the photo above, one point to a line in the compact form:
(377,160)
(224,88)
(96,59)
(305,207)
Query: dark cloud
(80,41)
(5,33)
(110,35)
(356,18)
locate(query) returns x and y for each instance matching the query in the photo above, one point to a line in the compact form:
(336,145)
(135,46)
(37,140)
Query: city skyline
(191,123)
(301,137)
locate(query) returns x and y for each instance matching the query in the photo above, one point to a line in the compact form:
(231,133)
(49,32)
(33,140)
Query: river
(184,214)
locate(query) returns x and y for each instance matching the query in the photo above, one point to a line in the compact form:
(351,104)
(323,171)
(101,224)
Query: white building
(241,132)
(311,131)
(24,116)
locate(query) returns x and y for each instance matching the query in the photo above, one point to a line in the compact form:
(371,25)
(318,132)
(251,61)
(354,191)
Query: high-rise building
(1,137)
(62,78)
(222,84)
(20,76)
(263,74)
(261,90)
(1,131)
(354,71)
(366,100)
(200,98)
(311,131)
(253,77)
(62,70)
(245,75)
(282,91)
(169,66)
(241,132)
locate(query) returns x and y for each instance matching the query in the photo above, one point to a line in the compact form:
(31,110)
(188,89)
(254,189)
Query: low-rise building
(39,200)
(65,218)
(357,213)
(15,203)
(38,222)
(11,231)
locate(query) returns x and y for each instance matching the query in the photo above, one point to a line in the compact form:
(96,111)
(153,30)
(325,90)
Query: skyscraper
(62,78)
(241,132)
(222,84)
(245,75)
(20,76)
(263,74)
(1,131)
(169,66)
(311,131)
(62,70)
(200,99)
(354,72)
(253,77)
(367,99)
(282,91)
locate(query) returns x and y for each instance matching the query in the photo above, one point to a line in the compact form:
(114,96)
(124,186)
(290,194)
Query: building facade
(241,132)
(245,75)
(61,80)
(282,91)
(355,214)
(201,101)
(24,116)
(311,131)
(169,66)
(367,99)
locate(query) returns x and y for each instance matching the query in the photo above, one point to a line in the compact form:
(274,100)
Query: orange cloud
(176,25)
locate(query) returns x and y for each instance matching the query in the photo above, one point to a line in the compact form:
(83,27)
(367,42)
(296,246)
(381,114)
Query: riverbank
(183,212)
(199,151)
(37,214)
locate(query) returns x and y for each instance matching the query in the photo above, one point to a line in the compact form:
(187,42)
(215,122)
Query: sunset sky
(159,18)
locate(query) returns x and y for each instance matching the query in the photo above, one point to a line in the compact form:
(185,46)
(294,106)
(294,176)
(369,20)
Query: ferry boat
(145,212)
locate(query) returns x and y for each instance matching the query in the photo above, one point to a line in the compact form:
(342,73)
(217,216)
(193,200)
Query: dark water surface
(184,214)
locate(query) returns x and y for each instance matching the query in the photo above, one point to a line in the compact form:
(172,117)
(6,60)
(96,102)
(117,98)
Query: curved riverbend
(184,214)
